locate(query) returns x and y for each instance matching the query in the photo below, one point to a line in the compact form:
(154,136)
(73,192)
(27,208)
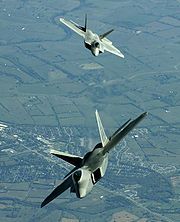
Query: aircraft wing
(58,190)
(75,27)
(122,132)
(110,48)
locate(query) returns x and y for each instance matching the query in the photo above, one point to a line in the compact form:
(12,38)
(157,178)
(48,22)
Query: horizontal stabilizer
(58,190)
(72,159)
(105,34)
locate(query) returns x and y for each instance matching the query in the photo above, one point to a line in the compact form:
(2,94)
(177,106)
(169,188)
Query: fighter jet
(94,42)
(92,167)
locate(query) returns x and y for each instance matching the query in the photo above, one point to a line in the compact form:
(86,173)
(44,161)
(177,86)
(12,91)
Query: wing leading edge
(122,132)
(75,27)
(58,190)
(110,48)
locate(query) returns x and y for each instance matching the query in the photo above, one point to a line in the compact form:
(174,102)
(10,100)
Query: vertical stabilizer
(85,25)
(103,136)
(105,34)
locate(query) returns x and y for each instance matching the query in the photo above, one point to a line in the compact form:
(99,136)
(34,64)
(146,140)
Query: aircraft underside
(88,170)
(77,185)
(90,48)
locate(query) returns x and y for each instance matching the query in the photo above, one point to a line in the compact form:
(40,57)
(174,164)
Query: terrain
(50,86)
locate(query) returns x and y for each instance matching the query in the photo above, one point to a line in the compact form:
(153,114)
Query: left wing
(75,27)
(110,48)
(58,190)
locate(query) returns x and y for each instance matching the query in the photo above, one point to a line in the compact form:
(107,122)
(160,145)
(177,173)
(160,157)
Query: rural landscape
(50,87)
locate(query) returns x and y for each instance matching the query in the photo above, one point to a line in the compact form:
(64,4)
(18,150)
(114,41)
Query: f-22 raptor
(92,167)
(94,42)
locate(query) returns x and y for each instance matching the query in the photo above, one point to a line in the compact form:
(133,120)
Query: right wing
(74,27)
(110,48)
(58,190)
(122,132)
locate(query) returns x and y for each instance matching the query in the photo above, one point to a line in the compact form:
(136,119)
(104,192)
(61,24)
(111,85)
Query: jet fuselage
(92,167)
(93,43)
(94,164)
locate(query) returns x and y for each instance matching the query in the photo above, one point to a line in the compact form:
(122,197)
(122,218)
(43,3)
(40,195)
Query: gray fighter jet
(92,167)
(96,43)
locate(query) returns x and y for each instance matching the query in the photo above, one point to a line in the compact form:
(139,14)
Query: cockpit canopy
(77,175)
(99,145)
(95,45)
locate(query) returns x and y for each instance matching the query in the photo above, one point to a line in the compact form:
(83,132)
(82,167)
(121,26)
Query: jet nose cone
(145,114)
(82,193)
